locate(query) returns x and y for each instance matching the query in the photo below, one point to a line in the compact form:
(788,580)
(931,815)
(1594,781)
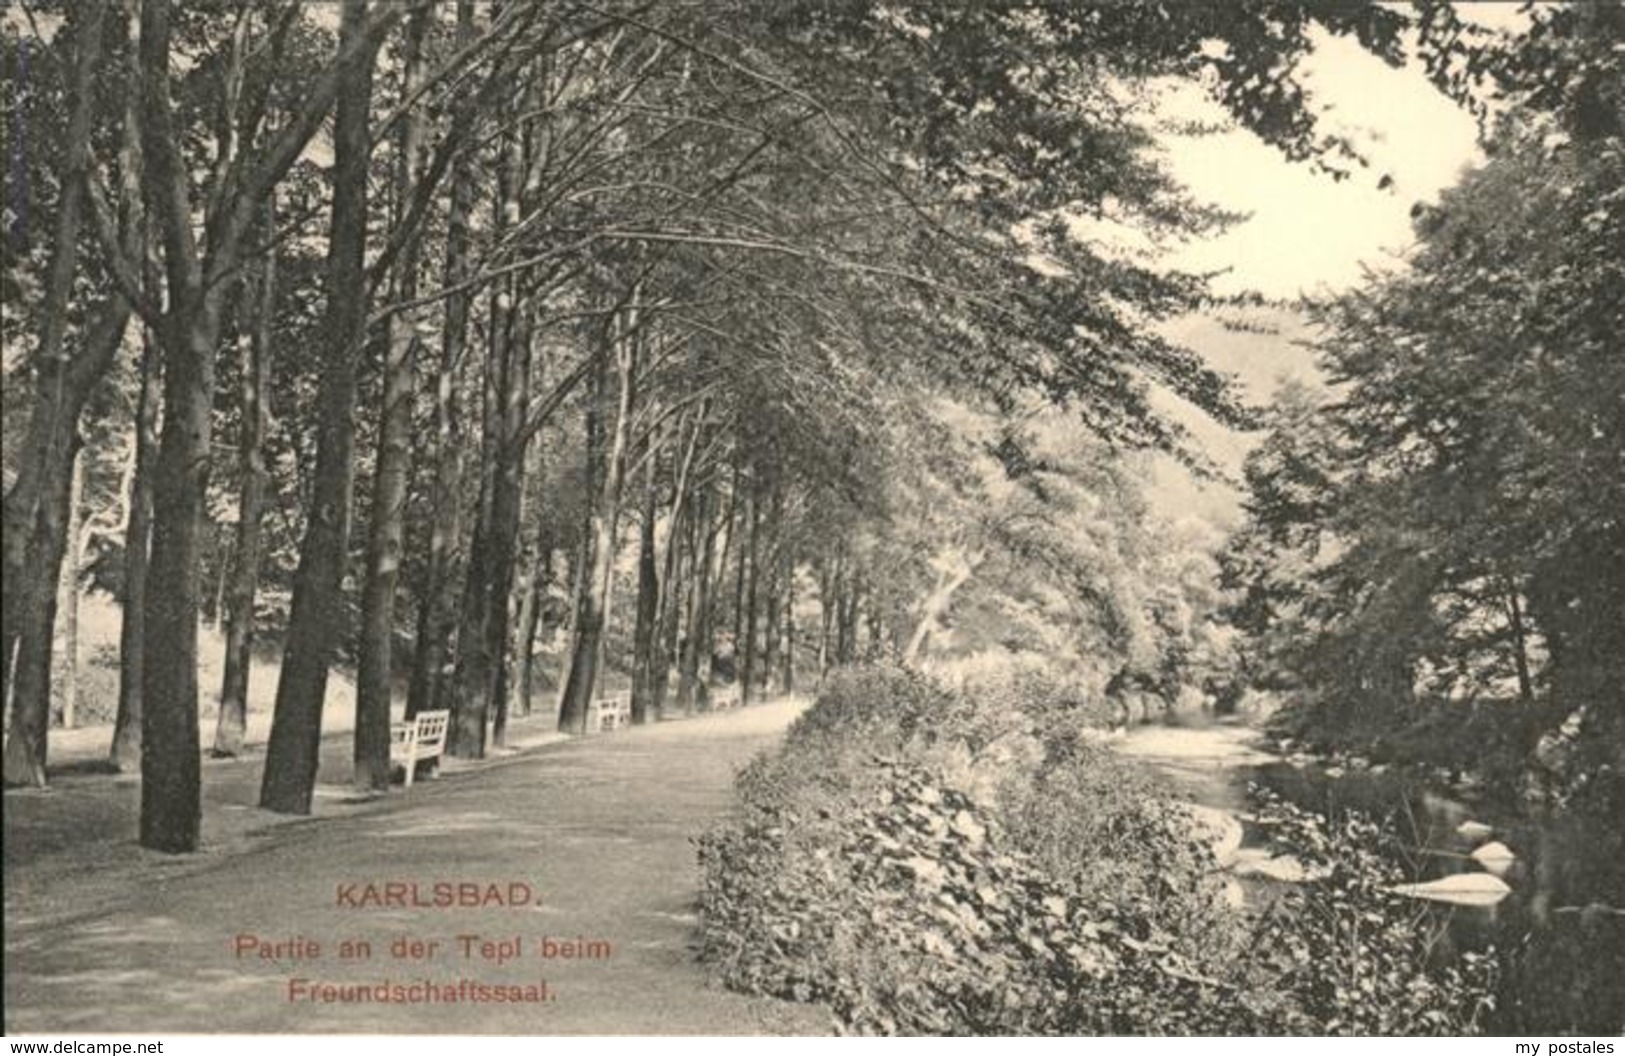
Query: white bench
(417,740)
(725,697)
(612,712)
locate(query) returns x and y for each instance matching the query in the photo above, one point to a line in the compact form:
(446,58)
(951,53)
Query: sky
(1309,233)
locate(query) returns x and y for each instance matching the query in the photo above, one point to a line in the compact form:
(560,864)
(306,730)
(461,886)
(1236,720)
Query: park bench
(418,740)
(611,712)
(725,697)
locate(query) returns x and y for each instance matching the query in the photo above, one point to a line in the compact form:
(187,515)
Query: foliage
(881,701)
(865,882)
(1442,527)
(1105,828)
(1345,956)
(843,258)
(881,866)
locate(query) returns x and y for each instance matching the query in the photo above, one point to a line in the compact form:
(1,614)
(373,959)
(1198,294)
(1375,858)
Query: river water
(1559,935)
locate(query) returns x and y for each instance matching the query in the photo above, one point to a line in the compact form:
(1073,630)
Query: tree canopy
(450,307)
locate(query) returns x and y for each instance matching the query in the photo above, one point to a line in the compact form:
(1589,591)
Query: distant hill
(1260,356)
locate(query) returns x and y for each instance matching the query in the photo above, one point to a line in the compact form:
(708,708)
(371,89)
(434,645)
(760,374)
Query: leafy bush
(1103,826)
(883,701)
(905,913)
(1342,955)
(1062,696)
(924,861)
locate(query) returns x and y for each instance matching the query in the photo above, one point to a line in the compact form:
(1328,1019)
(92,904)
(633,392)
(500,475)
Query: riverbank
(1503,755)
(1559,934)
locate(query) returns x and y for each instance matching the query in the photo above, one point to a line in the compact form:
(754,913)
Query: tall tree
(315,620)
(125,752)
(188,326)
(644,656)
(482,629)
(385,535)
(254,385)
(609,422)
(438,594)
(36,506)
(1455,536)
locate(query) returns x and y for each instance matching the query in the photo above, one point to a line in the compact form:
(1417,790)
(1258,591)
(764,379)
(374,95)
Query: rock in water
(1218,828)
(1463,889)
(1495,857)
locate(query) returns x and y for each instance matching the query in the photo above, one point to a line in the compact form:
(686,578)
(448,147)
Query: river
(1559,934)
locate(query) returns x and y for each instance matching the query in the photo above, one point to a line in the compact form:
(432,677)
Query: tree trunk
(315,621)
(530,614)
(607,464)
(31,689)
(171,805)
(125,753)
(679,528)
(696,641)
(744,506)
(826,615)
(1520,647)
(954,572)
(521,604)
(223,561)
(644,651)
(575,692)
(877,627)
(846,632)
(469,671)
(751,566)
(773,628)
(787,679)
(523,165)
(482,634)
(468,680)
(31,592)
(719,574)
(245,569)
(843,623)
(507,515)
(69,597)
(676,582)
(437,608)
(375,666)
